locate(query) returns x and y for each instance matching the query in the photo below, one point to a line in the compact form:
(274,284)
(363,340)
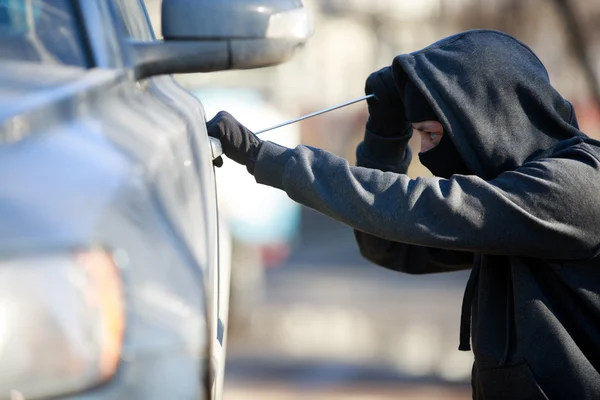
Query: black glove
(386,111)
(238,142)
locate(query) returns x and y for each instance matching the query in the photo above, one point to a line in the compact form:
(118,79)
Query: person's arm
(394,155)
(411,259)
(547,208)
(385,147)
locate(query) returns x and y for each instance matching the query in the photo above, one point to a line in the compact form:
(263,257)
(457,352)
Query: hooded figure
(518,202)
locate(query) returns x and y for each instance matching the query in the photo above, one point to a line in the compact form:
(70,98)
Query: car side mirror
(214,35)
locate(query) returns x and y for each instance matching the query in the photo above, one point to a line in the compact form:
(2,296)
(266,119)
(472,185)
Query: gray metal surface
(326,110)
(217,257)
(103,170)
(223,19)
(241,34)
(92,158)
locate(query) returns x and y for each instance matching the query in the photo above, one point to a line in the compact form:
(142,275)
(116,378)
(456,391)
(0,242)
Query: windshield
(41,31)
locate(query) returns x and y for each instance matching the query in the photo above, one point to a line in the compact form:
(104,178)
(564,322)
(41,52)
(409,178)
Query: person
(515,197)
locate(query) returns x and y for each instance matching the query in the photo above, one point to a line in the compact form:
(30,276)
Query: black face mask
(444,160)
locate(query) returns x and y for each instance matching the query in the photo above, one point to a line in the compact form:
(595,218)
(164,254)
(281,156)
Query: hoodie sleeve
(547,208)
(394,155)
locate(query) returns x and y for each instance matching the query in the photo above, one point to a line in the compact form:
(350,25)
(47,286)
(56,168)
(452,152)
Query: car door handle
(216,149)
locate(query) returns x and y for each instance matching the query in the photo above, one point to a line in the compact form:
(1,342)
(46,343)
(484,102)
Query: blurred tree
(579,45)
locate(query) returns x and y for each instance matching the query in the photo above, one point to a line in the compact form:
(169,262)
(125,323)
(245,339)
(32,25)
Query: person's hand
(239,143)
(386,111)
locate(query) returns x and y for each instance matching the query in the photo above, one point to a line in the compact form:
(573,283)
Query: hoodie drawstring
(465,315)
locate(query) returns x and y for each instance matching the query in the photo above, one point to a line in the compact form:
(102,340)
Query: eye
(433,136)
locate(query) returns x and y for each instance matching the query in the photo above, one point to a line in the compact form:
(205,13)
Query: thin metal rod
(315,113)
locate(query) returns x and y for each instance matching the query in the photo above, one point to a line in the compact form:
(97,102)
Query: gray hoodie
(527,222)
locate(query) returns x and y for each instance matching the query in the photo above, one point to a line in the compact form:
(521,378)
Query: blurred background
(309,318)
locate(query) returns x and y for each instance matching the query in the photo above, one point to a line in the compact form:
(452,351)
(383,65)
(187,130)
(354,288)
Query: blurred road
(331,325)
(279,391)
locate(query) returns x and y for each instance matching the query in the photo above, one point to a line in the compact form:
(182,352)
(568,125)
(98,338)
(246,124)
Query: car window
(41,31)
(132,15)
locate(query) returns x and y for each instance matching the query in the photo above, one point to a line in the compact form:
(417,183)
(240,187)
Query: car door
(200,184)
(94,169)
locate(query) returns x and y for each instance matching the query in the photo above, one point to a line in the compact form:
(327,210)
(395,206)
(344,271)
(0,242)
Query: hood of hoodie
(493,97)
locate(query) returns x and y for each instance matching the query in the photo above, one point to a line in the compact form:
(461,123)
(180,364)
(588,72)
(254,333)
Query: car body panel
(94,159)
(109,173)
(137,25)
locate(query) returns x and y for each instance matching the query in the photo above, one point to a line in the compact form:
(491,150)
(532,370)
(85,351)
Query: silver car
(113,277)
